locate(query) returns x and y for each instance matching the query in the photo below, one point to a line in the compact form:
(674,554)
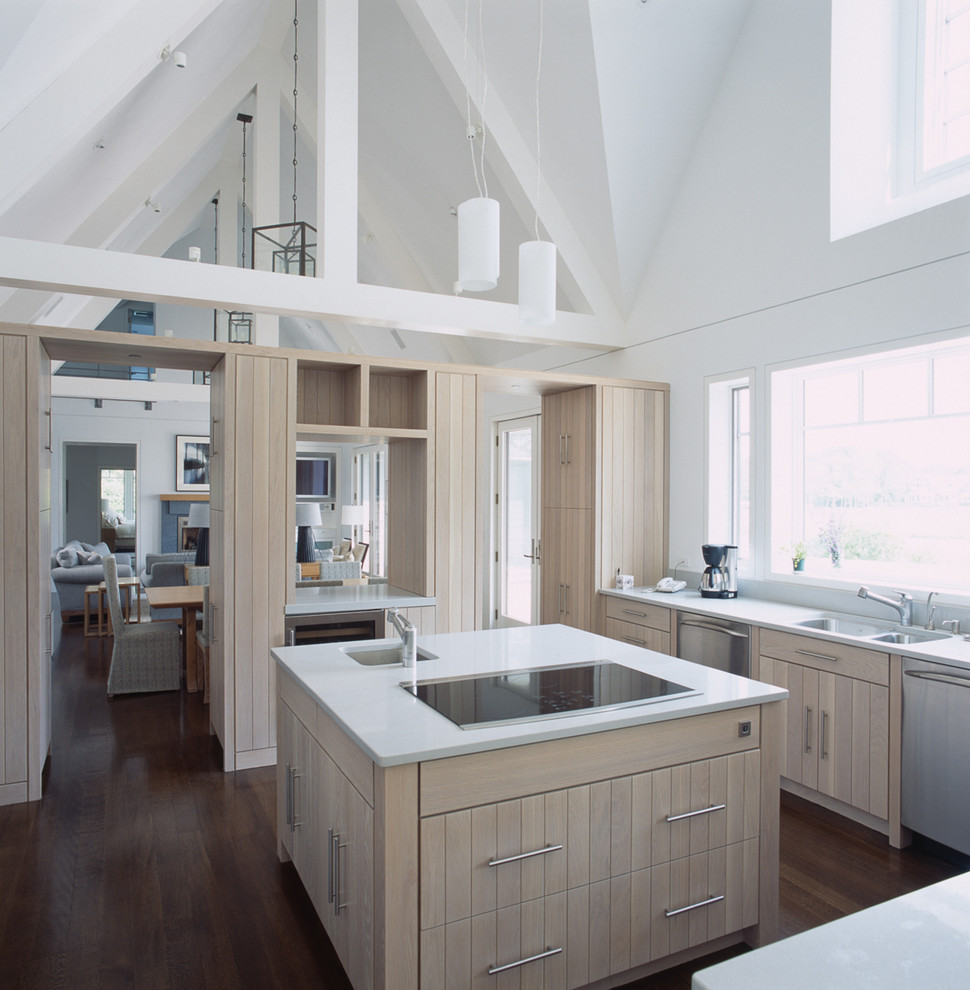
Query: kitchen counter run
(353,598)
(954,650)
(393,727)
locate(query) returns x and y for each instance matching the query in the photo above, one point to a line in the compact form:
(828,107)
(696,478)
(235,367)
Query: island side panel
(772,741)
(396,908)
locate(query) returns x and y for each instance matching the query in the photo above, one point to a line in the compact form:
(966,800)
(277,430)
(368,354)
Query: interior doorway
(100,476)
(370,491)
(517,537)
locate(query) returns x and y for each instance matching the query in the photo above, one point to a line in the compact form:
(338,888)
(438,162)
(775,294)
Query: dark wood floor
(147,866)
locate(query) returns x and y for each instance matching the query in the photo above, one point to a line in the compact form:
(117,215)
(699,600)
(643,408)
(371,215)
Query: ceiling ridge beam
(440,35)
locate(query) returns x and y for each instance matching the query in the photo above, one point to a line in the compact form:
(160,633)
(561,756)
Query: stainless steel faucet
(904,606)
(930,609)
(409,637)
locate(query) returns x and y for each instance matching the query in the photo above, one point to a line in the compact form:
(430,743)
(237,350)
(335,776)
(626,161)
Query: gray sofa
(166,570)
(69,582)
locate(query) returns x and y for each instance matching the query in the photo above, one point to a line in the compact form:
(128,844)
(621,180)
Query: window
(871,470)
(729,463)
(945,82)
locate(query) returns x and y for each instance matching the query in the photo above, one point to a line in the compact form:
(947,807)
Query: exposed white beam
(442,37)
(68,268)
(36,138)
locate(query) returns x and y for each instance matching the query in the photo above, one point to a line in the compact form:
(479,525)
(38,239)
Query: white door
(370,482)
(516,595)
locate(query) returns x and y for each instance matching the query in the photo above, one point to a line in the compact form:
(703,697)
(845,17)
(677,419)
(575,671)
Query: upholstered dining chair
(145,656)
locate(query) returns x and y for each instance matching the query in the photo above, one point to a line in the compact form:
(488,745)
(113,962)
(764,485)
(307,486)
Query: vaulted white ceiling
(93,122)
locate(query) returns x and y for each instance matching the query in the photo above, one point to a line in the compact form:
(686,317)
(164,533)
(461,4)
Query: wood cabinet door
(297,790)
(638,635)
(349,841)
(567,567)
(568,449)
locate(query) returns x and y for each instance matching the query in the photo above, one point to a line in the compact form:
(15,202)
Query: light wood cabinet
(591,881)
(568,593)
(568,469)
(837,738)
(639,623)
(327,829)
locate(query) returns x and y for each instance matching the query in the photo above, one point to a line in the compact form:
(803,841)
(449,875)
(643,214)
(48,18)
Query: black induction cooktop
(543,692)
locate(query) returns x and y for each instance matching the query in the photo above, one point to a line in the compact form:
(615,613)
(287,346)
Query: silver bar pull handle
(294,774)
(528,855)
(808,719)
(289,797)
(694,814)
(694,907)
(821,742)
(330,866)
(562,459)
(635,642)
(567,598)
(567,449)
(633,611)
(714,628)
(955,679)
(337,846)
(818,656)
(492,970)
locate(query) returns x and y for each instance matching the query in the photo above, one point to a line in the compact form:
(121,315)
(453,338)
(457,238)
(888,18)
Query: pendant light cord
(296,60)
(480,181)
(538,133)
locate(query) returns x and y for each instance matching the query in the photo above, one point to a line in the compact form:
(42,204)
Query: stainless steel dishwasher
(716,643)
(936,744)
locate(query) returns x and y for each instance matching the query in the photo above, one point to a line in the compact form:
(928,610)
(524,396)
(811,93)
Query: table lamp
(307,516)
(353,516)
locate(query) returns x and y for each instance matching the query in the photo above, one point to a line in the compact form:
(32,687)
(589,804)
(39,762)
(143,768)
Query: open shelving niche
(373,403)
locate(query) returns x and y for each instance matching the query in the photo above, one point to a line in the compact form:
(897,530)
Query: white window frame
(720,482)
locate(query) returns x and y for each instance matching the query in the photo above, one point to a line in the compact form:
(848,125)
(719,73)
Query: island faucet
(904,606)
(409,637)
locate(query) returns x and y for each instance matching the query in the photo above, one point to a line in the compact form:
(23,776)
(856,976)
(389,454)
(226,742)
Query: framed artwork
(191,464)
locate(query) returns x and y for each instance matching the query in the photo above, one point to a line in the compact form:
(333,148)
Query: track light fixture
(179,58)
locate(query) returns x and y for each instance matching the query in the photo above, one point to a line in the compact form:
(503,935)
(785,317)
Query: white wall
(154,432)
(745,275)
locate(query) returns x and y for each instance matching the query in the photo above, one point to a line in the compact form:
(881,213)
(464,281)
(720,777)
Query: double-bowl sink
(842,625)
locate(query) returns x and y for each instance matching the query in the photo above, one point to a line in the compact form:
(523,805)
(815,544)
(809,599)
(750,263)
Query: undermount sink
(900,636)
(844,627)
(376,656)
(847,626)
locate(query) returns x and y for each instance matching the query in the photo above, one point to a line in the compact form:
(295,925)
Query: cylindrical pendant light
(478,244)
(537,283)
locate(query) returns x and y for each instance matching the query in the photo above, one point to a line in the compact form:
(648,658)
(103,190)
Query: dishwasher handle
(925,675)
(713,628)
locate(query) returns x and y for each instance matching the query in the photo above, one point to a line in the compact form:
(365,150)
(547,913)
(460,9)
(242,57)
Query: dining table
(189,599)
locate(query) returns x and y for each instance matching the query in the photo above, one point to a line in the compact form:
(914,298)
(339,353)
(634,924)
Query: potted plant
(798,556)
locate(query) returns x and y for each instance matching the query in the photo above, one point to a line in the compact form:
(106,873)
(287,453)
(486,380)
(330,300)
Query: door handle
(808,718)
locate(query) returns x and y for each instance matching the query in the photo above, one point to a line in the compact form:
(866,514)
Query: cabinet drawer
(642,636)
(852,661)
(490,857)
(641,613)
(590,933)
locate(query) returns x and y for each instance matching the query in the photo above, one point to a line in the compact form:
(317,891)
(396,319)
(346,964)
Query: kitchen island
(579,849)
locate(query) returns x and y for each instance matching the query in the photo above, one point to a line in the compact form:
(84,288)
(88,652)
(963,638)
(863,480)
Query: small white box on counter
(624,582)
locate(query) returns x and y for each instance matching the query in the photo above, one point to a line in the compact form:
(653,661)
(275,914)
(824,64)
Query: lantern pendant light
(537,259)
(478,218)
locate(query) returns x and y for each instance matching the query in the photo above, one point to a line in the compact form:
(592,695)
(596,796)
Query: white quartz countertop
(394,727)
(953,650)
(353,598)
(918,940)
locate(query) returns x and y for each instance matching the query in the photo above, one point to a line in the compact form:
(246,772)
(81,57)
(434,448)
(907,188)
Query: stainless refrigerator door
(936,744)
(714,643)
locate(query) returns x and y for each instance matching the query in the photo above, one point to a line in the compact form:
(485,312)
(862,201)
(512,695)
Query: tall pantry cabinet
(604,496)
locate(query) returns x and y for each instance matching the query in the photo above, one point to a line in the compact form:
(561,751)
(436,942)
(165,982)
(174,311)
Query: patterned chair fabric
(145,657)
(196,575)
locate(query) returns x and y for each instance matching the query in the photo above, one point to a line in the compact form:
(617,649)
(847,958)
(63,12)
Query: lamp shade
(353,515)
(308,514)
(198,515)
(105,505)
(537,283)
(478,244)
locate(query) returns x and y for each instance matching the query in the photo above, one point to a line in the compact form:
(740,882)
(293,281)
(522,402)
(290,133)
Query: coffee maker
(720,577)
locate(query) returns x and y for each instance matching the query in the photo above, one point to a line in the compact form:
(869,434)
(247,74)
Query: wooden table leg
(88,631)
(191,663)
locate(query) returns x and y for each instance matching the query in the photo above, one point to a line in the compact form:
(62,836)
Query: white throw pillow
(91,557)
(66,557)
